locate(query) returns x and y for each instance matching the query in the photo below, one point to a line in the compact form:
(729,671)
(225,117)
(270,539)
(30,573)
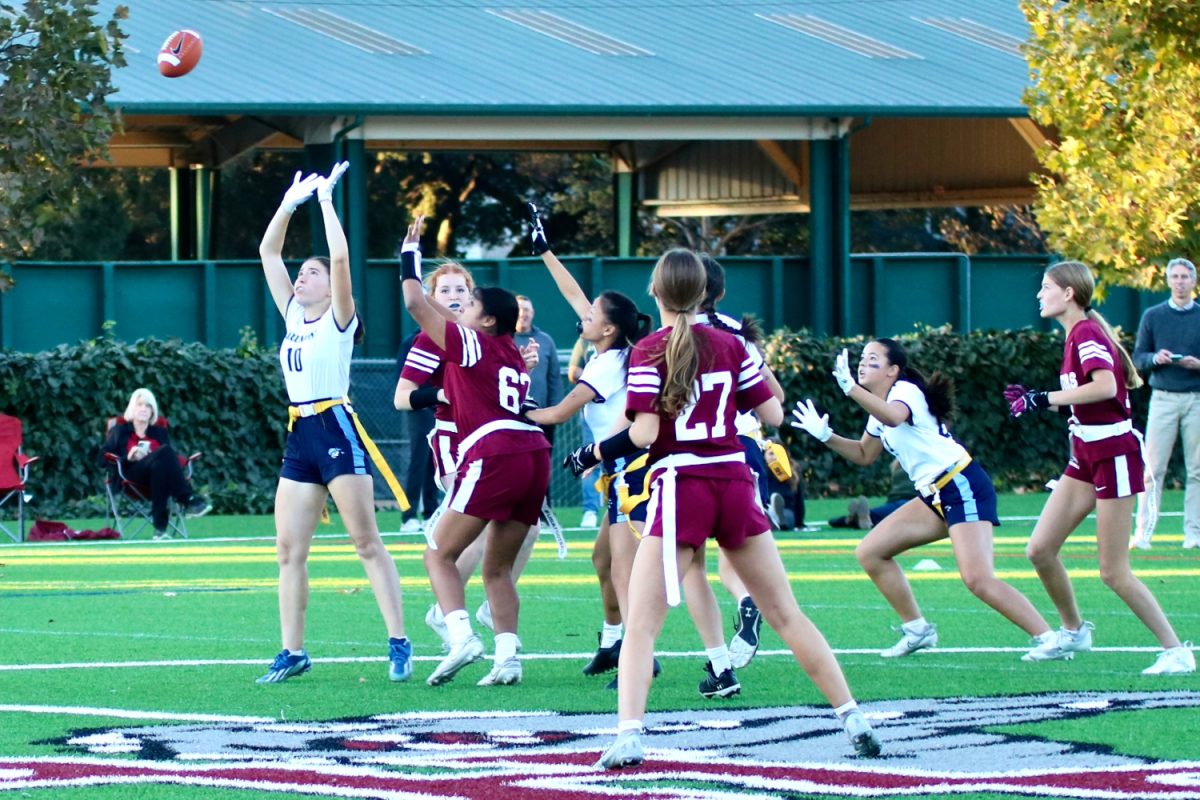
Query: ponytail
(683,365)
(678,282)
(1132,379)
(938,388)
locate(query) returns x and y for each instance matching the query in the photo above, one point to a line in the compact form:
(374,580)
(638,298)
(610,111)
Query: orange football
(180,53)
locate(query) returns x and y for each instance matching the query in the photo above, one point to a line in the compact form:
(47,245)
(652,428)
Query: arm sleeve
(645,383)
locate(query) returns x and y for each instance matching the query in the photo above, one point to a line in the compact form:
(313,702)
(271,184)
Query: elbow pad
(423,397)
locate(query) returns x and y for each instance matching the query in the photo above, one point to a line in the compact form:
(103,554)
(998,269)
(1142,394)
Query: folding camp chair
(129,505)
(14,472)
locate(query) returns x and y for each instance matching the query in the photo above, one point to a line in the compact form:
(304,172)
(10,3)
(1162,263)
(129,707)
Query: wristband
(423,397)
(410,262)
(618,446)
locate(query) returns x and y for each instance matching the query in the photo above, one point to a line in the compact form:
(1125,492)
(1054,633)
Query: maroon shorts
(443,444)
(1113,476)
(725,509)
(503,487)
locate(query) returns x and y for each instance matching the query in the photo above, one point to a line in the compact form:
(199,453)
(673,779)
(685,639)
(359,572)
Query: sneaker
(160,535)
(613,685)
(437,623)
(1191,541)
(605,659)
(400,659)
(1173,661)
(1140,541)
(912,642)
(626,751)
(723,685)
(859,513)
(286,665)
(1063,645)
(744,643)
(507,674)
(809,528)
(775,510)
(589,520)
(861,735)
(412,525)
(461,655)
(484,616)
(196,506)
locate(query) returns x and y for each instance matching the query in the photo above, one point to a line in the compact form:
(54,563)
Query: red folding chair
(129,506)
(14,472)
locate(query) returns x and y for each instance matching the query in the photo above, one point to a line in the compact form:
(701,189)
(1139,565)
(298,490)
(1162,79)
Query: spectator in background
(860,514)
(419,484)
(545,380)
(1168,343)
(786,507)
(581,353)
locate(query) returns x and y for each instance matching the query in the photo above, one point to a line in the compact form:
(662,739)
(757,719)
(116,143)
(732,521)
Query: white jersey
(605,374)
(746,422)
(924,448)
(315,356)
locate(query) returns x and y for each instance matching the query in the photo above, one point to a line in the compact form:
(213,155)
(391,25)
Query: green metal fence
(211,301)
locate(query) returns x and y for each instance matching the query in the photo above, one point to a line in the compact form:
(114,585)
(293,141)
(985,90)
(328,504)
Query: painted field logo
(939,746)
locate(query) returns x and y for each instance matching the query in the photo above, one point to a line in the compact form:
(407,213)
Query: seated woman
(148,459)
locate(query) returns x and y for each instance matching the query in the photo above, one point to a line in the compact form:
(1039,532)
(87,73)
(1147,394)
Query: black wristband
(424,397)
(618,446)
(410,265)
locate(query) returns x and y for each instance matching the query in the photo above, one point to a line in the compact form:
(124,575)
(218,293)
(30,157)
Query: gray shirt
(545,380)
(1164,327)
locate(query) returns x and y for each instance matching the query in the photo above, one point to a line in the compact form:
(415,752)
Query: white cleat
(861,735)
(1173,661)
(484,616)
(506,674)
(1191,541)
(1061,645)
(626,751)
(461,655)
(911,642)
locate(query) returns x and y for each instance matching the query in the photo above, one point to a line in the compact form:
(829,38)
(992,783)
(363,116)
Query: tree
(1120,83)
(55,73)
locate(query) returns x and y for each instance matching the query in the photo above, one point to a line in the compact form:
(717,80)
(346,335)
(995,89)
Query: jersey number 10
(293,360)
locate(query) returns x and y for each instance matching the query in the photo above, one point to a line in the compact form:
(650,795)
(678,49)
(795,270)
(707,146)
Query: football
(180,53)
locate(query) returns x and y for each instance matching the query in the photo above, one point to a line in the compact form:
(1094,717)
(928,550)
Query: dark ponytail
(938,388)
(632,325)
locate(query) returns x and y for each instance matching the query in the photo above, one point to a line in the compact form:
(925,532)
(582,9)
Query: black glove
(581,460)
(527,405)
(536,232)
(1032,400)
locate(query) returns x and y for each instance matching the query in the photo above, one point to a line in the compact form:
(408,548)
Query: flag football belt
(295,412)
(779,463)
(940,481)
(1096,433)
(625,501)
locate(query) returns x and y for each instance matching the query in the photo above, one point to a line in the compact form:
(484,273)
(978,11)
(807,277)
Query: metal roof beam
(648,128)
(223,145)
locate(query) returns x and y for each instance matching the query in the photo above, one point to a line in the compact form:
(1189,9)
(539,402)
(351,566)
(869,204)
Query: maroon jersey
(486,382)
(704,433)
(425,364)
(1088,349)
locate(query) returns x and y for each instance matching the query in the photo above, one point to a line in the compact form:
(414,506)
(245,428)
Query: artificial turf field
(127,671)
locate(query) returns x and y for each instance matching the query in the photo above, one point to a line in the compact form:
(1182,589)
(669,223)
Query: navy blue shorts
(968,497)
(635,483)
(322,447)
(757,463)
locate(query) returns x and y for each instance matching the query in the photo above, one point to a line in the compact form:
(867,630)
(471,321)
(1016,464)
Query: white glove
(806,418)
(841,372)
(300,190)
(325,184)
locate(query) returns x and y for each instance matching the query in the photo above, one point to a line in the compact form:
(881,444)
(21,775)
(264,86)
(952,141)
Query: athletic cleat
(861,735)
(1063,645)
(196,506)
(1140,542)
(723,685)
(438,624)
(461,655)
(506,674)
(1191,541)
(626,751)
(399,659)
(484,615)
(588,520)
(1173,661)
(912,642)
(744,643)
(412,525)
(286,665)
(613,684)
(605,659)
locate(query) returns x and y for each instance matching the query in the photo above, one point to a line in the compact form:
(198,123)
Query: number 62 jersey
(486,383)
(728,381)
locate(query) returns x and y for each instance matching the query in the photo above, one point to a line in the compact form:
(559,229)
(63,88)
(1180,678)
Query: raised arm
(567,285)
(862,452)
(339,251)
(270,249)
(415,301)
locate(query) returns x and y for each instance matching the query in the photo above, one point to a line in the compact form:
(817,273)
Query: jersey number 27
(689,430)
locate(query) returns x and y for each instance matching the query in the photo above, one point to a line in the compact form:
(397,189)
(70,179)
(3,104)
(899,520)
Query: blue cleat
(400,658)
(286,665)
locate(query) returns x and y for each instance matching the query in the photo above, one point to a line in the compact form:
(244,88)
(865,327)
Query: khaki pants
(1174,415)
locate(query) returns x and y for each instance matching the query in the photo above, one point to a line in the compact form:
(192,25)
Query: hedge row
(229,404)
(1019,454)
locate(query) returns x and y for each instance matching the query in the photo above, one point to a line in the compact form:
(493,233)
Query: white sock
(845,709)
(300,652)
(438,616)
(611,634)
(719,658)
(458,623)
(629,726)
(506,647)
(917,625)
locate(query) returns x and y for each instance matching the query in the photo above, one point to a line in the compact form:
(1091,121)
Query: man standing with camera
(1168,342)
